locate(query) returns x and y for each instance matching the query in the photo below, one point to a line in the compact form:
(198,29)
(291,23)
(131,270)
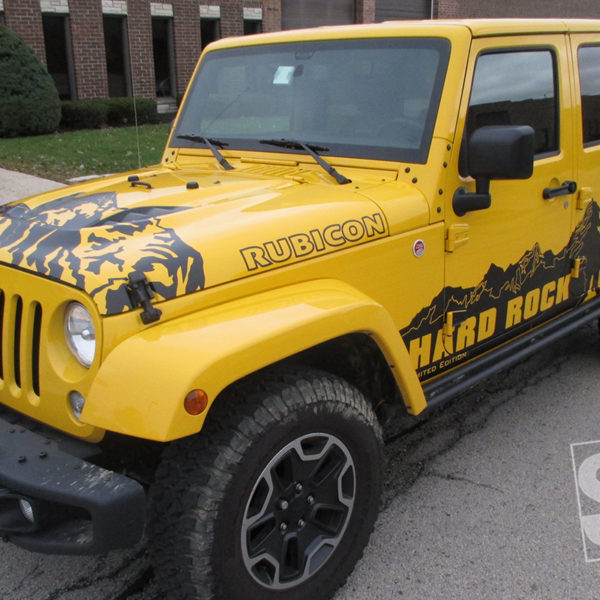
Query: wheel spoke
(261,533)
(292,561)
(329,518)
(329,466)
(282,472)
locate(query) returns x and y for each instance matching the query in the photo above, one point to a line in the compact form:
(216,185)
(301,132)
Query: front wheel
(276,498)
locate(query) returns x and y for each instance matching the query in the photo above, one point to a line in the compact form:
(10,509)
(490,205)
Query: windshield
(365,98)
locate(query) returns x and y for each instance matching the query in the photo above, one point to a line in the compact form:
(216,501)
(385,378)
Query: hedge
(29,102)
(92,114)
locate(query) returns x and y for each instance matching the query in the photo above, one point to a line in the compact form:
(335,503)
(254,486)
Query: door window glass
(517,88)
(589,75)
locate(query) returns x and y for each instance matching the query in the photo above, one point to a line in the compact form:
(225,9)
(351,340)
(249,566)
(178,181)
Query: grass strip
(62,156)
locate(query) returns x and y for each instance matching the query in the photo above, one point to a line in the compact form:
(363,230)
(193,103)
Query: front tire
(276,498)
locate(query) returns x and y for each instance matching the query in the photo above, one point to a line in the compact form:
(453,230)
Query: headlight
(80,333)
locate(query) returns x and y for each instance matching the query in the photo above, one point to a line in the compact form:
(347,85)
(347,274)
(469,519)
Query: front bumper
(76,506)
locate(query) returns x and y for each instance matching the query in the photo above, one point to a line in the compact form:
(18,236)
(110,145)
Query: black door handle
(566,189)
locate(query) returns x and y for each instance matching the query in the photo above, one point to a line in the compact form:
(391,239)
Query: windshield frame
(417,155)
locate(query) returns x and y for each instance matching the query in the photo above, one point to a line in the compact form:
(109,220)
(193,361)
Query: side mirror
(495,152)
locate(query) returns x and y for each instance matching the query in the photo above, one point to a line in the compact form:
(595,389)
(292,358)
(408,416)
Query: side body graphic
(505,302)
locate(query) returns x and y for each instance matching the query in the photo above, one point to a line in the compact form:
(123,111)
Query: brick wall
(447,9)
(87,33)
(89,58)
(365,11)
(25,19)
(232,17)
(271,15)
(139,26)
(518,8)
(186,21)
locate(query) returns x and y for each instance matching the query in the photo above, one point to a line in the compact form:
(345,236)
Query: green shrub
(29,102)
(91,114)
(83,114)
(121,111)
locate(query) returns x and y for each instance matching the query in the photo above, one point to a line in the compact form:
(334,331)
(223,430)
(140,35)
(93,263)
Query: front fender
(140,387)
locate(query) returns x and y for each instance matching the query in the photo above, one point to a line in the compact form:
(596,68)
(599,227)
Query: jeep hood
(183,231)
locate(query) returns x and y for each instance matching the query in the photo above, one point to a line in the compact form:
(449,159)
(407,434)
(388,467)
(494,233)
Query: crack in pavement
(89,581)
(455,477)
(35,572)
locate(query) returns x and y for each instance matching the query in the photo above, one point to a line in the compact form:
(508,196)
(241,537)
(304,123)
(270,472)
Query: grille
(20,330)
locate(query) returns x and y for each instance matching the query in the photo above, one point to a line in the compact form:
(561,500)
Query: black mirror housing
(501,152)
(495,152)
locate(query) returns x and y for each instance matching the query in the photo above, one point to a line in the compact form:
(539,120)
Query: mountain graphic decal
(506,302)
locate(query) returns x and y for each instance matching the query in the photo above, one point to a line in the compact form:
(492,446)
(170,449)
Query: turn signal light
(196,402)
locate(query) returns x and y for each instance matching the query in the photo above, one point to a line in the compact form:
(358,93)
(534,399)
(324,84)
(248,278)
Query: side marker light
(196,402)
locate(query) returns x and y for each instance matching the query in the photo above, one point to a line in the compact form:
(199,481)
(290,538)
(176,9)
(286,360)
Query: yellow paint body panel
(201,350)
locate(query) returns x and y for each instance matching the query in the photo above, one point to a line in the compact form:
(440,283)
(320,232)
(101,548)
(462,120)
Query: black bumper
(78,507)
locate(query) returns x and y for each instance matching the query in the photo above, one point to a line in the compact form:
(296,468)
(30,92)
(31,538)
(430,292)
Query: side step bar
(463,378)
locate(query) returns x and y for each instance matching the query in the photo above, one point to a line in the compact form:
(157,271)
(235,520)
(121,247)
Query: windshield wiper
(211,145)
(312,150)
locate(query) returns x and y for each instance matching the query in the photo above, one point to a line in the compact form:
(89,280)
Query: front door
(508,267)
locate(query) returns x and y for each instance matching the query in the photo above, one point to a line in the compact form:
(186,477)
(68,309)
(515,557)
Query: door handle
(566,189)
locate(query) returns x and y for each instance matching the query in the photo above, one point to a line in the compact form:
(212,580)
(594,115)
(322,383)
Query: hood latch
(140,293)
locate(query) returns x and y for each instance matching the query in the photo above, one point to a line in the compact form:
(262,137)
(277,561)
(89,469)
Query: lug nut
(301,523)
(283,527)
(298,487)
(283,504)
(310,500)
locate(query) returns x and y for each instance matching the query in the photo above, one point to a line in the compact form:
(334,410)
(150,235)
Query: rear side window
(517,88)
(589,76)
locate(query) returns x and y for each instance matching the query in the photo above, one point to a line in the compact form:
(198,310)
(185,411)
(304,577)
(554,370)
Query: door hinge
(584,197)
(456,236)
(140,292)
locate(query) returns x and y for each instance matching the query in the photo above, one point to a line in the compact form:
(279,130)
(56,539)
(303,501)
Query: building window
(59,54)
(210,30)
(117,56)
(252,26)
(252,20)
(210,24)
(589,75)
(164,57)
(517,88)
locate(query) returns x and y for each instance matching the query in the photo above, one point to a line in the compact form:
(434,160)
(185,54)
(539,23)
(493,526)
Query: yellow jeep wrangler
(345,220)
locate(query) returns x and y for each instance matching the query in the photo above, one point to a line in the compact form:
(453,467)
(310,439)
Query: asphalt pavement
(480,502)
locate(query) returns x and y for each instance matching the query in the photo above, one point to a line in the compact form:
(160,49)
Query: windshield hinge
(140,292)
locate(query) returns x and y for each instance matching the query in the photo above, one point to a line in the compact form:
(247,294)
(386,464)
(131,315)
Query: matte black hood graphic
(91,243)
(506,301)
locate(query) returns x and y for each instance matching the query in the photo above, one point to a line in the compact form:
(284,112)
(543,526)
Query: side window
(517,88)
(589,75)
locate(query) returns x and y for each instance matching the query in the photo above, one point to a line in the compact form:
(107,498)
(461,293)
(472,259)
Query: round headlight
(80,333)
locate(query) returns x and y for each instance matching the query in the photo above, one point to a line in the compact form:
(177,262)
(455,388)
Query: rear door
(586,61)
